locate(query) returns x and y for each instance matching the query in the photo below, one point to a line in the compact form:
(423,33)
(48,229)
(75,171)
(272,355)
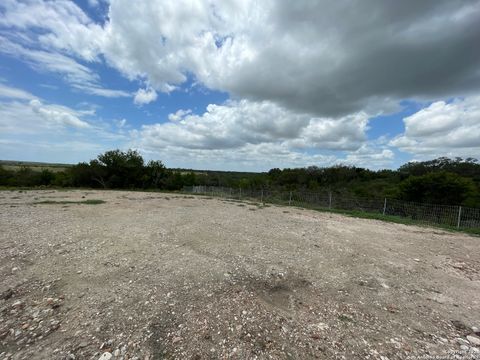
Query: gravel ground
(153,276)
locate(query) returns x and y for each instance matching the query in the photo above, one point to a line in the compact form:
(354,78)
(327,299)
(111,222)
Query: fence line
(450,215)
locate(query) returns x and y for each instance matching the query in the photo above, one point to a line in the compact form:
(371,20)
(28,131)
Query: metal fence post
(384,206)
(329,199)
(290,199)
(459,216)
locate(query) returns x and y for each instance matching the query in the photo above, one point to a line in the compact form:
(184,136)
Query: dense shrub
(440,188)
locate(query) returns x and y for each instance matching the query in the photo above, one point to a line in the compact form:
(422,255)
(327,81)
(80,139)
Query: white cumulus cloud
(145,96)
(251,134)
(443,129)
(322,57)
(304,75)
(179,114)
(57,114)
(237,123)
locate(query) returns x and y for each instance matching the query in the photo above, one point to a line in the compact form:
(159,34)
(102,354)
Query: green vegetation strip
(85,202)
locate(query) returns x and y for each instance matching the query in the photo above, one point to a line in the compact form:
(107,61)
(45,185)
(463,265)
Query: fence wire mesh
(449,215)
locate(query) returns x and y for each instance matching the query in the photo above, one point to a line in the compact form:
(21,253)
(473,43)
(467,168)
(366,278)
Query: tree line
(441,181)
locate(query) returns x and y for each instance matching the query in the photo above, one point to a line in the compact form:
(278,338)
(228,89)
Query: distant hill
(35,165)
(15,165)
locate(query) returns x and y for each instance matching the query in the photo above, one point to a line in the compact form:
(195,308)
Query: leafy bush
(440,188)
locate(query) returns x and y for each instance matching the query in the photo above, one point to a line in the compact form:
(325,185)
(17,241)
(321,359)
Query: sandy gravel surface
(153,276)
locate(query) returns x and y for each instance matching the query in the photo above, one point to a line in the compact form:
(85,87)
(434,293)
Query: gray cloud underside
(381,56)
(327,58)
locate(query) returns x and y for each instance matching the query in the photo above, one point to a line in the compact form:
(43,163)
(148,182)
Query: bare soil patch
(154,276)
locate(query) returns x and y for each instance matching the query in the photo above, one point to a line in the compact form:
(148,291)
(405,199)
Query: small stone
(105,356)
(79,271)
(116,353)
(176,339)
(417,260)
(7,294)
(17,304)
(15,269)
(475,340)
(464,347)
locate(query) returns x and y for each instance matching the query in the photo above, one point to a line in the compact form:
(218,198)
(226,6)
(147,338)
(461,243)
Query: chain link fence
(449,215)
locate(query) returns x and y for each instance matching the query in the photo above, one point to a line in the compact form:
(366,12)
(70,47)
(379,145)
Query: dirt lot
(153,276)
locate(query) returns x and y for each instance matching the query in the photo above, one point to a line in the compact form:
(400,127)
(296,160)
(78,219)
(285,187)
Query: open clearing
(152,276)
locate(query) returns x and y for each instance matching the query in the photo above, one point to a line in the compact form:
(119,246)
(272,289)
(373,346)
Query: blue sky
(239,85)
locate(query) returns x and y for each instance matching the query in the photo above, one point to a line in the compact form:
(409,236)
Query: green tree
(123,169)
(26,177)
(155,174)
(46,177)
(173,181)
(6,176)
(189,179)
(439,188)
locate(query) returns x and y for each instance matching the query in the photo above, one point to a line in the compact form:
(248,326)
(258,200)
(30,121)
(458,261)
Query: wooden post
(459,216)
(384,206)
(290,199)
(261,197)
(329,199)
